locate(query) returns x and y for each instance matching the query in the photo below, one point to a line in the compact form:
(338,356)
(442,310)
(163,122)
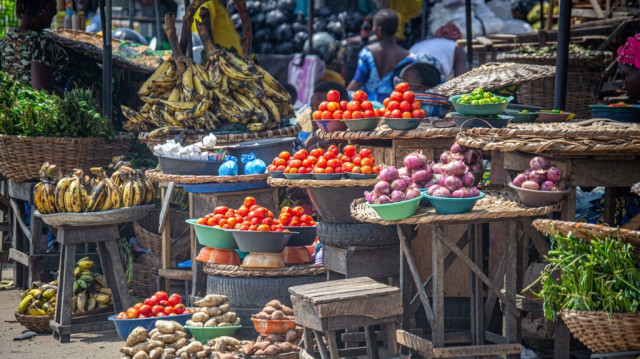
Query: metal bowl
(327,176)
(360,176)
(304,236)
(478,121)
(296,176)
(403,123)
(331,125)
(535,198)
(277,174)
(362,124)
(269,242)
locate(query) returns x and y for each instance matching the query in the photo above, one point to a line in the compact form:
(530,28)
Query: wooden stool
(324,308)
(184,275)
(377,262)
(107,238)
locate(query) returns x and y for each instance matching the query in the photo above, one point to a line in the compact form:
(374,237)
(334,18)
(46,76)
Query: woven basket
(40,323)
(146,230)
(603,332)
(21,158)
(145,269)
(584,80)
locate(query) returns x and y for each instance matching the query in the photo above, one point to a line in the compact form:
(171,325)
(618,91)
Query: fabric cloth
(224,33)
(443,50)
(20,49)
(629,53)
(448,31)
(376,86)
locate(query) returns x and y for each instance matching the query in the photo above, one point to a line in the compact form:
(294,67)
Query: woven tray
(238,271)
(603,332)
(21,158)
(283,182)
(586,230)
(40,323)
(191,136)
(596,135)
(159,176)
(426,130)
(497,204)
(92,45)
(597,60)
(91,219)
(495,75)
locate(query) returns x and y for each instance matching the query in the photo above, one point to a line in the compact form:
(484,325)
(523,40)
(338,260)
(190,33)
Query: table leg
(110,257)
(321,347)
(308,340)
(333,344)
(511,322)
(437,263)
(562,337)
(405,289)
(372,345)
(569,206)
(57,317)
(65,292)
(477,308)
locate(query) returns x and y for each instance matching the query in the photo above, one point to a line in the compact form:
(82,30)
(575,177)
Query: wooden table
(497,206)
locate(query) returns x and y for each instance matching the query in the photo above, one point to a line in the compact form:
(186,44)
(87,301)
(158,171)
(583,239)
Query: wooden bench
(324,308)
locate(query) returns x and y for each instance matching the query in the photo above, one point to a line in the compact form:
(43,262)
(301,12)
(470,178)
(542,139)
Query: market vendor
(224,33)
(629,66)
(378,63)
(28,54)
(420,76)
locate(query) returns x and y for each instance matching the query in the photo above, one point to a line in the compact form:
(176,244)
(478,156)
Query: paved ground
(94,345)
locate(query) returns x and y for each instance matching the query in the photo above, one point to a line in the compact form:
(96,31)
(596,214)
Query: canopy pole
(158,25)
(312,10)
(132,10)
(107,95)
(562,54)
(467,8)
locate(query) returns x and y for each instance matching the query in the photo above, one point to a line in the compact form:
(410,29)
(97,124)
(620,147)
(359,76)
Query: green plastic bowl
(403,123)
(424,201)
(453,205)
(205,334)
(398,210)
(488,109)
(522,117)
(362,124)
(212,236)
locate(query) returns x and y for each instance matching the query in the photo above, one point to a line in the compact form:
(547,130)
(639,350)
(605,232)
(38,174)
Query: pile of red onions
(396,186)
(471,158)
(540,176)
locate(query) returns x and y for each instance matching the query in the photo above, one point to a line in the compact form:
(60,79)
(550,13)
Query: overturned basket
(40,323)
(601,332)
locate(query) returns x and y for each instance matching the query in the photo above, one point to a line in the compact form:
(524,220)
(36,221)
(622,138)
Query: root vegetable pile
(166,340)
(275,310)
(213,311)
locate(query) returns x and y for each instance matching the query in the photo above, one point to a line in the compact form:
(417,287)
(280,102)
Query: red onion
(519,180)
(442,192)
(384,200)
(445,157)
(421,176)
(413,193)
(527,172)
(473,192)
(407,180)
(547,186)
(475,167)
(531,185)
(437,168)
(367,196)
(554,174)
(560,186)
(389,173)
(374,198)
(433,188)
(403,171)
(382,188)
(441,180)
(397,196)
(456,148)
(457,168)
(537,176)
(435,179)
(452,182)
(424,159)
(414,161)
(398,185)
(539,163)
(467,179)
(472,156)
(461,193)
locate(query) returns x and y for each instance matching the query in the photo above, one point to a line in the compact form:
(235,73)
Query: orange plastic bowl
(219,256)
(296,255)
(273,326)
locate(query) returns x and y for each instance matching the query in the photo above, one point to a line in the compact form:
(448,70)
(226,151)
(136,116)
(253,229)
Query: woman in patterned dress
(28,54)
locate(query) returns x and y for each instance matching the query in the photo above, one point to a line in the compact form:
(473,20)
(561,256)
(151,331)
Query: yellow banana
(61,188)
(158,74)
(98,197)
(127,194)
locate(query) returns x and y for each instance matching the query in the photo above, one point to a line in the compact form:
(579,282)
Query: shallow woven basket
(40,323)
(149,239)
(603,332)
(22,157)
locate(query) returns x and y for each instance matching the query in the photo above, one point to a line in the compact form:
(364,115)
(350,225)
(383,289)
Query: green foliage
(596,275)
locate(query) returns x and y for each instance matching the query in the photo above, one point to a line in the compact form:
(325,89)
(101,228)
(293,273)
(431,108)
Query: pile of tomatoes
(249,217)
(401,104)
(334,109)
(295,217)
(326,161)
(158,305)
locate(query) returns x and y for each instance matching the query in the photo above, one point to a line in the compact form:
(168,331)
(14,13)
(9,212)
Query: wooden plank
(165,228)
(511,326)
(375,307)
(437,262)
(374,262)
(476,292)
(19,257)
(308,290)
(121,299)
(495,338)
(177,274)
(22,191)
(607,173)
(355,292)
(38,242)
(404,247)
(307,339)
(415,343)
(372,345)
(17,217)
(323,349)
(597,9)
(491,296)
(359,337)
(332,344)
(65,288)
(562,338)
(166,201)
(83,235)
(390,333)
(405,283)
(346,290)
(569,206)
(539,240)
(484,350)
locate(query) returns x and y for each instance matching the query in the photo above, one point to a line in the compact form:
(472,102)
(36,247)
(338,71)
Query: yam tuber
(275,304)
(200,317)
(179,344)
(166,326)
(141,355)
(269,309)
(166,338)
(211,323)
(137,335)
(191,323)
(224,308)
(156,353)
(211,300)
(211,311)
(248,349)
(263,315)
(291,336)
(272,350)
(278,315)
(286,310)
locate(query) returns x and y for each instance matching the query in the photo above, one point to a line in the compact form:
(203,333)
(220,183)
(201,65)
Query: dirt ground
(104,344)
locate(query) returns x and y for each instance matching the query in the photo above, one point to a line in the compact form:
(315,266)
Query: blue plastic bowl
(453,205)
(331,125)
(125,326)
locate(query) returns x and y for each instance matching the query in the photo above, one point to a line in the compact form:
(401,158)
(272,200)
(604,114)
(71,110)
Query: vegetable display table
(499,205)
(100,228)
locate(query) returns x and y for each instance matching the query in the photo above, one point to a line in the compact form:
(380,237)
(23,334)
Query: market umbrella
(493,76)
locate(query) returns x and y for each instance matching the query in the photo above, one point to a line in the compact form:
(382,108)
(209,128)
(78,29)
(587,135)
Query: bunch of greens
(596,275)
(28,112)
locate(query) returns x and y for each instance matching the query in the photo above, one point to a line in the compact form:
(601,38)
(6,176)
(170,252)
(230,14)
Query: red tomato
(316,115)
(295,164)
(408,96)
(346,115)
(175,299)
(405,106)
(132,313)
(299,211)
(337,115)
(326,115)
(307,163)
(219,210)
(378,112)
(360,96)
(142,316)
(264,228)
(161,314)
(353,106)
(333,96)
(285,155)
(323,106)
(386,101)
(285,218)
(138,305)
(387,114)
(333,149)
(367,161)
(317,152)
(356,115)
(418,114)
(301,155)
(306,218)
(393,105)
(347,167)
(369,114)
(168,310)
(407,115)
(376,169)
(332,163)
(318,170)
(179,308)
(280,162)
(322,163)
(151,301)
(356,160)
(367,170)
(333,106)
(329,155)
(396,96)
(243,211)
(329,170)
(163,303)
(355,169)
(294,222)
(267,220)
(287,209)
(212,222)
(145,309)
(349,150)
(269,168)
(396,114)
(343,105)
(416,105)
(254,207)
(365,152)
(402,87)
(121,315)
(157,309)
(366,105)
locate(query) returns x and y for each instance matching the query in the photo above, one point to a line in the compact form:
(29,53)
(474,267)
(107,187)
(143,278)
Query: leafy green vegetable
(596,275)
